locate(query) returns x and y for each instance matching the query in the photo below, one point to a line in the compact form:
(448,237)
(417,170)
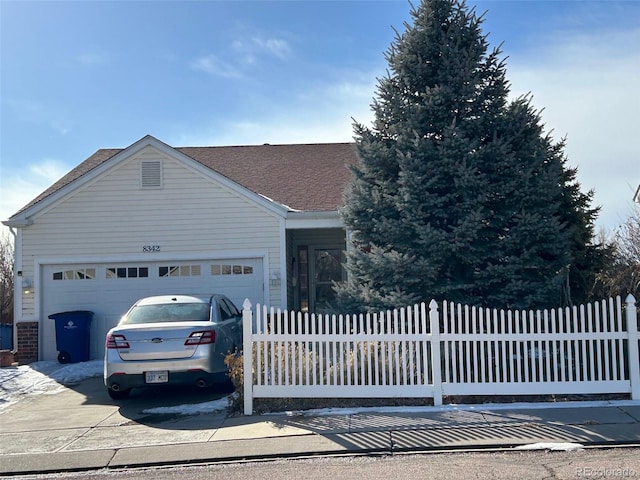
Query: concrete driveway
(82,428)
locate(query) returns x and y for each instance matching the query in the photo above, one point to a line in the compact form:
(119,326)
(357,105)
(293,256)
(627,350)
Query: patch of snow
(557,447)
(43,378)
(193,409)
(483,407)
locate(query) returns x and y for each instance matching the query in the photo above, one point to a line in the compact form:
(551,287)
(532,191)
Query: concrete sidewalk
(82,428)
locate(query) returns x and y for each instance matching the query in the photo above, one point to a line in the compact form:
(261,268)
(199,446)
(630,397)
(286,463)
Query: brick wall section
(27,342)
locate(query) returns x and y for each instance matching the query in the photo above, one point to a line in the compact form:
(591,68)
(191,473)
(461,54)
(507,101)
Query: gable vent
(151,174)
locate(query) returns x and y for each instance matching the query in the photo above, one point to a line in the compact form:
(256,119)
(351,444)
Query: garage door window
(75,274)
(179,271)
(127,272)
(228,269)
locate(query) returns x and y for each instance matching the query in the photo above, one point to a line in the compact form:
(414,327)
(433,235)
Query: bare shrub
(337,363)
(6,280)
(622,274)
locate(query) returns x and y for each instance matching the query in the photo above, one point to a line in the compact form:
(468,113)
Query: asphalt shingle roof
(309,177)
(306,177)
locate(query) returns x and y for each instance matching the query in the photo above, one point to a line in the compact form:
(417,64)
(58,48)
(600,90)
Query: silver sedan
(170,340)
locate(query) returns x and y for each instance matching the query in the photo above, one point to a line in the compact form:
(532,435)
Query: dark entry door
(326,268)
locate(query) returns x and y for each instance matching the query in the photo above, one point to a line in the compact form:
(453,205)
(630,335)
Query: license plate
(156,377)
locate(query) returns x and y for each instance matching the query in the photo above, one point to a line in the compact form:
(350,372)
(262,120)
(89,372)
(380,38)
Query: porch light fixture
(27,286)
(274,278)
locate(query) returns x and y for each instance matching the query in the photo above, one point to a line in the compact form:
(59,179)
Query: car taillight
(201,338)
(117,341)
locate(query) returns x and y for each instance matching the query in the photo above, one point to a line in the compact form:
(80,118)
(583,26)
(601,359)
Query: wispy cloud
(47,171)
(36,113)
(18,188)
(256,46)
(212,65)
(242,55)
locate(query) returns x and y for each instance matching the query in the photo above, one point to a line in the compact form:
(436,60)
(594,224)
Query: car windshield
(177,312)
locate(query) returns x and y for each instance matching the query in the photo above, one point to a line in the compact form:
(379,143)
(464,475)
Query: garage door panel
(110,289)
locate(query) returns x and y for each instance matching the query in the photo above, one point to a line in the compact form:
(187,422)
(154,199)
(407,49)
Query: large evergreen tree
(458,194)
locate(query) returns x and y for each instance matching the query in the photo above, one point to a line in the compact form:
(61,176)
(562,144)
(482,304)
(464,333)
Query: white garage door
(109,290)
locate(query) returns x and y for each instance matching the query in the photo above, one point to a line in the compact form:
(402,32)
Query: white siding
(113,216)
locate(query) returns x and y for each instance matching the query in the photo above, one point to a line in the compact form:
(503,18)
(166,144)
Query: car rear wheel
(118,394)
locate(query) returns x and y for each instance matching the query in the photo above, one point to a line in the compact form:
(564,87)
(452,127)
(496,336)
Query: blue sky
(77,76)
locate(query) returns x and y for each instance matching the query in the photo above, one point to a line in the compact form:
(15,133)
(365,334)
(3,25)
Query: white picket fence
(424,351)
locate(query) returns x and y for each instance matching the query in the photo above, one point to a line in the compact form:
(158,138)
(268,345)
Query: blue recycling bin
(73,335)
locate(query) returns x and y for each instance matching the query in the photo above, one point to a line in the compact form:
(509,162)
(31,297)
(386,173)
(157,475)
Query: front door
(325,269)
(317,258)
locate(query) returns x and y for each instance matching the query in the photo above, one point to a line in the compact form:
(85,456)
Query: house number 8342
(150,248)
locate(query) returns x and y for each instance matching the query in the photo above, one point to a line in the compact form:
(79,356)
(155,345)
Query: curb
(264,449)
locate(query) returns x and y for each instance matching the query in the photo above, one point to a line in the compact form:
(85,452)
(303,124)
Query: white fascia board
(327,219)
(636,197)
(17,222)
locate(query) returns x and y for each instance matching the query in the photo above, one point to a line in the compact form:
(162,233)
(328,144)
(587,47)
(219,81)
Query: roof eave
(313,219)
(17,222)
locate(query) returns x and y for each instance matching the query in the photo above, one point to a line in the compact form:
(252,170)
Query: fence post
(634,356)
(247,356)
(436,364)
